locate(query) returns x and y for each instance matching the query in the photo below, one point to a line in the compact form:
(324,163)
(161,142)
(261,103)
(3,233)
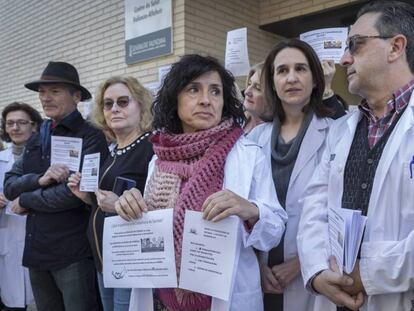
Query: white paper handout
(328,43)
(67,151)
(346,228)
(7,208)
(209,253)
(237,56)
(90,172)
(139,253)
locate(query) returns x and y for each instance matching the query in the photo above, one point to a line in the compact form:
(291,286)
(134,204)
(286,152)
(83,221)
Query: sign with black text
(148,29)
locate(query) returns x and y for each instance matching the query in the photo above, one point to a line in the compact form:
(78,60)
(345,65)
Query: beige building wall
(277,10)
(90,35)
(207,24)
(86,33)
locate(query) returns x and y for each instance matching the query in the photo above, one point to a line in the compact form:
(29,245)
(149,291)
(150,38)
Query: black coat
(57,220)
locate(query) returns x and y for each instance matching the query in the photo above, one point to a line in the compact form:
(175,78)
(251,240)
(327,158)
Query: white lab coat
(387,251)
(246,173)
(295,297)
(15,288)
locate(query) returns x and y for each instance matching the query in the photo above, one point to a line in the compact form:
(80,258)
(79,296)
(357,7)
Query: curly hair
(188,68)
(33,114)
(140,94)
(315,66)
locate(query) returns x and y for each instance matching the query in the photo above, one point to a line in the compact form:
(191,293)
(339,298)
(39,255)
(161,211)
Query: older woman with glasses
(123,110)
(18,122)
(204,163)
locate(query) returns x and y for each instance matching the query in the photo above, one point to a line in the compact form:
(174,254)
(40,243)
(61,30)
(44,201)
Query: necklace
(124,150)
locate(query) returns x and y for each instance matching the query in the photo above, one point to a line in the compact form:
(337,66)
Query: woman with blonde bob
(123,110)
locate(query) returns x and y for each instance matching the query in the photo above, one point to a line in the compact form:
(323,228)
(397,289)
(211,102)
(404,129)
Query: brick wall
(276,10)
(90,35)
(207,24)
(87,33)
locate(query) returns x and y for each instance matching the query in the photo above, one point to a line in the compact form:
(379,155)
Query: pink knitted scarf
(189,168)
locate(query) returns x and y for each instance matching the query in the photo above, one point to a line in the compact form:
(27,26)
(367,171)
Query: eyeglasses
(19,123)
(121,102)
(352,43)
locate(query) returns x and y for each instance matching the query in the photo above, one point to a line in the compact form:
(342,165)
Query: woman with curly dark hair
(204,163)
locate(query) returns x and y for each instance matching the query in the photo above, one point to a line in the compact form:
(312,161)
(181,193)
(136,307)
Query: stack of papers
(346,228)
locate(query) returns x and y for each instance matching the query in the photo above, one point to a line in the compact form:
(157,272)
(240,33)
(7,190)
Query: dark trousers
(68,289)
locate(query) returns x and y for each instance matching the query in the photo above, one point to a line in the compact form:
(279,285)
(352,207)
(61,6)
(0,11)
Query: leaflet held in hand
(90,172)
(210,251)
(328,43)
(140,253)
(67,151)
(346,228)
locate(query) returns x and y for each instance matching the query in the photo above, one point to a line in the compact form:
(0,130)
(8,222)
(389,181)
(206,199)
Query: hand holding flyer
(139,253)
(90,173)
(346,228)
(67,151)
(328,43)
(209,255)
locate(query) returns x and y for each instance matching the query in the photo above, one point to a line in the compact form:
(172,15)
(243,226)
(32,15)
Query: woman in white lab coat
(204,163)
(18,122)
(387,252)
(294,82)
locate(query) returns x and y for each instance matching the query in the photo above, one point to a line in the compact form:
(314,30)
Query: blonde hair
(255,68)
(140,94)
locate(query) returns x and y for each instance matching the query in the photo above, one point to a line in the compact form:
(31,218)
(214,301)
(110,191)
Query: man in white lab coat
(368,165)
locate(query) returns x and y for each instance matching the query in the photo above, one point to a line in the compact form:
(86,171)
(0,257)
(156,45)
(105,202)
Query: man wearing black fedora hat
(56,249)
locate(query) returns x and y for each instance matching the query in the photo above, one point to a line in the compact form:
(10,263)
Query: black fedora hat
(59,72)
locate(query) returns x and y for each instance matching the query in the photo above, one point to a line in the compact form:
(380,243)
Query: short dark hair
(34,116)
(188,68)
(396,17)
(317,73)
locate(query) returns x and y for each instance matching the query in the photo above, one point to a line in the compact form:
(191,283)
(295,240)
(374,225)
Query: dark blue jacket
(57,220)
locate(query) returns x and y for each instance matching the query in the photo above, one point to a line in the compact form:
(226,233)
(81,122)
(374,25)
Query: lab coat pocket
(3,242)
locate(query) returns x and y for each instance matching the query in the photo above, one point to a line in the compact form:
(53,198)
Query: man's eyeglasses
(121,102)
(353,43)
(19,123)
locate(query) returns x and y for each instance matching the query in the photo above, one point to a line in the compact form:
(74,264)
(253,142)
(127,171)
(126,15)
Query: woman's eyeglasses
(354,42)
(121,102)
(19,123)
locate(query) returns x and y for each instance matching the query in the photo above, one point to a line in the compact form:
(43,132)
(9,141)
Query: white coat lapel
(340,138)
(345,139)
(391,148)
(312,141)
(6,155)
(237,162)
